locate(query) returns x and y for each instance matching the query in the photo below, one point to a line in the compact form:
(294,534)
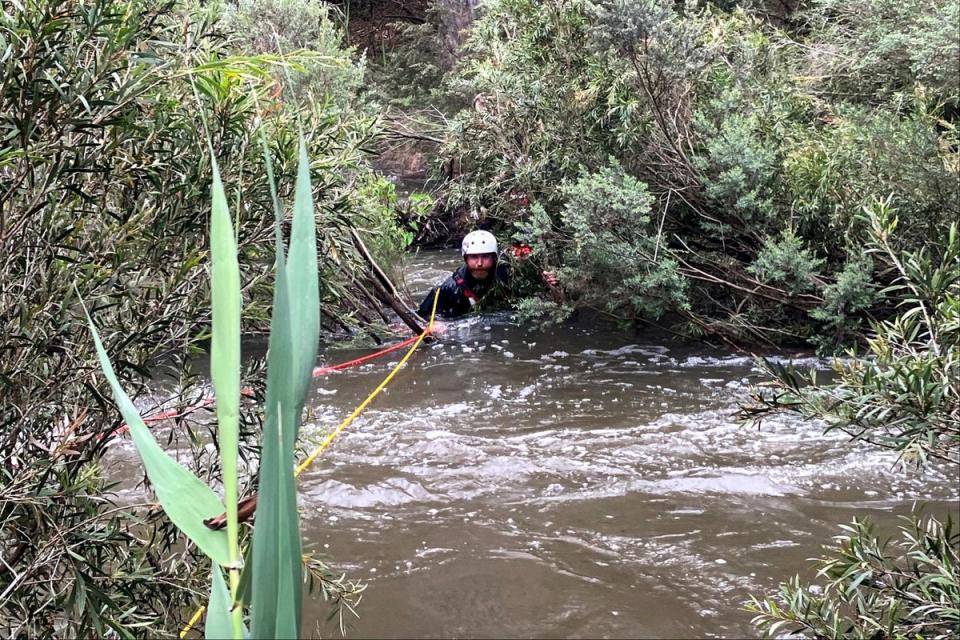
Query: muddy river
(574,482)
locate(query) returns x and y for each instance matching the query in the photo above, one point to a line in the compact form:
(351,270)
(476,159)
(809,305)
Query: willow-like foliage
(294,333)
(105,193)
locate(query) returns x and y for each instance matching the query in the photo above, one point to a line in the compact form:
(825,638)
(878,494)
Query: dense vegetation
(700,164)
(709,160)
(776,172)
(904,396)
(105,196)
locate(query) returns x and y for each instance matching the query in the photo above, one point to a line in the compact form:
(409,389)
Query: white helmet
(478,242)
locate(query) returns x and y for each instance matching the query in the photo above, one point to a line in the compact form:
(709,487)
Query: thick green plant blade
(273,567)
(218,625)
(289,596)
(186,500)
(303,290)
(303,284)
(225,348)
(277,570)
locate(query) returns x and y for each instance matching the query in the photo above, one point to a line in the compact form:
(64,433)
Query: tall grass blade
(269,568)
(225,363)
(303,283)
(225,348)
(218,624)
(287,623)
(276,567)
(294,332)
(303,287)
(186,500)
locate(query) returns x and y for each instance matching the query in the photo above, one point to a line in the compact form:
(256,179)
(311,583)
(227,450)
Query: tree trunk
(457,16)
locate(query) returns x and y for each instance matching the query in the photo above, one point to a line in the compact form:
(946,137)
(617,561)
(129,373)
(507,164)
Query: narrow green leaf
(276,541)
(218,625)
(267,534)
(287,623)
(294,333)
(303,285)
(186,500)
(225,348)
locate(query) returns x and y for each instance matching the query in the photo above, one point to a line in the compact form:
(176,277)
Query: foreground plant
(102,191)
(903,588)
(276,569)
(904,396)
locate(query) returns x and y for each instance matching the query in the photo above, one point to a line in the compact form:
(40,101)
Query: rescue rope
(356,412)
(373,394)
(194,619)
(247,391)
(320,371)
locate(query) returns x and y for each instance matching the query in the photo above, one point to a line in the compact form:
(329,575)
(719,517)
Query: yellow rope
(363,405)
(193,621)
(343,425)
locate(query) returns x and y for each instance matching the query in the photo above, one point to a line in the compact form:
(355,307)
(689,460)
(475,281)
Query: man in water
(482,275)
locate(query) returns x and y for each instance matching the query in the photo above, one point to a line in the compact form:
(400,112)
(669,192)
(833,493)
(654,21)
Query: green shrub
(787,263)
(610,252)
(408,68)
(378,207)
(902,588)
(105,194)
(743,131)
(742,166)
(874,48)
(905,396)
(831,171)
(525,61)
(844,302)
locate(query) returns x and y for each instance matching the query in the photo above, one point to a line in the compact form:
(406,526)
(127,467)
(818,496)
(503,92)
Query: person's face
(480,265)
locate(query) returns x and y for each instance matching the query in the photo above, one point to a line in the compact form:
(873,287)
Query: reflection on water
(575,482)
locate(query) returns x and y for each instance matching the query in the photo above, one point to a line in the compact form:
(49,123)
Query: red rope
(319,371)
(247,391)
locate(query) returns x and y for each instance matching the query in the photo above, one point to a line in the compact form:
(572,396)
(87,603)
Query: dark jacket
(460,292)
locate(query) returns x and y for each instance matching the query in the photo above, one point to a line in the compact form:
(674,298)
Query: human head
(479,250)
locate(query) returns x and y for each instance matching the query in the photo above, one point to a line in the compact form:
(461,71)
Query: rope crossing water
(209,401)
(303,466)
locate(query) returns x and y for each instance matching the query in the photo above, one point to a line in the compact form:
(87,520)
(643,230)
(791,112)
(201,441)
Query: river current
(579,481)
(576,482)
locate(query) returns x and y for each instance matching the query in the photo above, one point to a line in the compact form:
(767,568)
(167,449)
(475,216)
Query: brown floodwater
(579,481)
(575,482)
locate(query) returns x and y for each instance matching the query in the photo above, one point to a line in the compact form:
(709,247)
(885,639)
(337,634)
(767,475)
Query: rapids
(575,482)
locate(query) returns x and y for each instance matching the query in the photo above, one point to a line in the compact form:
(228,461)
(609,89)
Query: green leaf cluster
(908,587)
(760,137)
(329,72)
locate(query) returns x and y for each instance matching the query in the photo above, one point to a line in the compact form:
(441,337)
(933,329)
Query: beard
(480,274)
